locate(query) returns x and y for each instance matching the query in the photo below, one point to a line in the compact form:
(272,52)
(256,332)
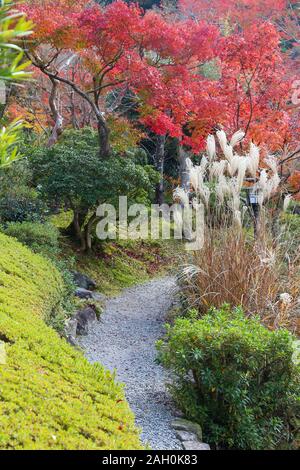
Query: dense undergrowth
(50,396)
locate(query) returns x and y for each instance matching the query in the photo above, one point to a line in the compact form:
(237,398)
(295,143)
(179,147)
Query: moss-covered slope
(50,396)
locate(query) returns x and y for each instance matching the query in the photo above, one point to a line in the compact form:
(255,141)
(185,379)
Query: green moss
(114,272)
(50,396)
(62,220)
(121,264)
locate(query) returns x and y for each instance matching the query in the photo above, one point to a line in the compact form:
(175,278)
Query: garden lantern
(253,201)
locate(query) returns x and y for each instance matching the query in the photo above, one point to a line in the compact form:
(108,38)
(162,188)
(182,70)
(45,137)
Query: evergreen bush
(234,377)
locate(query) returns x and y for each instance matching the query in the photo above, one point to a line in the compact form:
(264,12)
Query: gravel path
(124,340)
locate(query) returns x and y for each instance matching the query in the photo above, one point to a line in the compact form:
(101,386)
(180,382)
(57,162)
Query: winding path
(124,340)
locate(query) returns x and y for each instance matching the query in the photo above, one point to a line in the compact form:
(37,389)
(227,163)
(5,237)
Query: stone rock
(83,281)
(71,327)
(88,294)
(71,330)
(180,424)
(85,318)
(296,210)
(178,414)
(71,340)
(83,293)
(195,445)
(186,436)
(98,297)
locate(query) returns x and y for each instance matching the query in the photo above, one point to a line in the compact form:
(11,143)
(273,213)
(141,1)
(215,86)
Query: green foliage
(62,220)
(9,138)
(290,233)
(235,378)
(23,215)
(72,171)
(50,396)
(72,175)
(44,239)
(13,27)
(18,200)
(41,238)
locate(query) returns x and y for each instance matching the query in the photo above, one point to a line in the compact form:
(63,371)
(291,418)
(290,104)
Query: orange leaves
(243,12)
(294,181)
(54,20)
(157,58)
(123,135)
(255,84)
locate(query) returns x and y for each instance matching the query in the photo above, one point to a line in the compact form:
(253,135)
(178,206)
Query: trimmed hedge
(40,238)
(50,396)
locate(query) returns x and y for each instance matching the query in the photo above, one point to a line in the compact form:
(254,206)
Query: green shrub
(19,202)
(50,396)
(72,173)
(41,238)
(21,207)
(234,377)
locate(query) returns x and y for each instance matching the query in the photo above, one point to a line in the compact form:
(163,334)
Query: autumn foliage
(161,59)
(242,12)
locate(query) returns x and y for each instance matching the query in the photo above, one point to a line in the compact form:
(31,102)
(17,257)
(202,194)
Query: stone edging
(190,434)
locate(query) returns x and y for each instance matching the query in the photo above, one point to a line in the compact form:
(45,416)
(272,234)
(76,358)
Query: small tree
(71,174)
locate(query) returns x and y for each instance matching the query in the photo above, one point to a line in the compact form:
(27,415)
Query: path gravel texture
(124,340)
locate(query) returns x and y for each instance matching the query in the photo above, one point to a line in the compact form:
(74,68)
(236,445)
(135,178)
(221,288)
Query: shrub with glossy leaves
(235,377)
(21,207)
(50,396)
(13,28)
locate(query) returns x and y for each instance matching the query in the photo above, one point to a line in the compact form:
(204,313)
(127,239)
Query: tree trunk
(74,121)
(183,169)
(57,117)
(159,160)
(103,133)
(75,229)
(103,129)
(78,231)
(87,232)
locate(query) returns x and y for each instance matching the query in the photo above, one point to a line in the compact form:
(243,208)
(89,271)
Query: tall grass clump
(256,269)
(234,268)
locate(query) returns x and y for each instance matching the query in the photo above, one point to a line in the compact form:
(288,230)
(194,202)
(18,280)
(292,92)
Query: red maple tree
(122,48)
